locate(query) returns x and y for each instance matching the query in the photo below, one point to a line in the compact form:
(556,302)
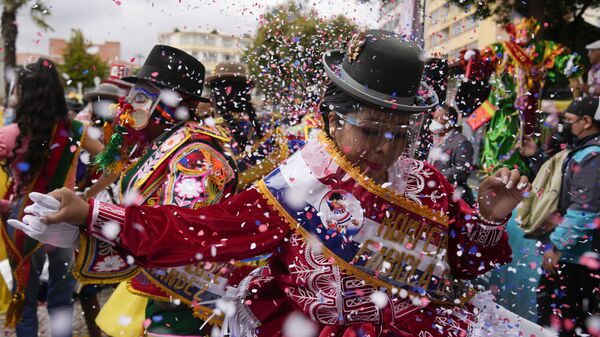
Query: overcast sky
(137,23)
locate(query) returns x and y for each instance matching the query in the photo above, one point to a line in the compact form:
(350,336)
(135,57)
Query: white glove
(571,67)
(60,235)
(45,200)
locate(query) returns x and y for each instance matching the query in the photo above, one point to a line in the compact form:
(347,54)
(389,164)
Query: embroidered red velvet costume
(300,275)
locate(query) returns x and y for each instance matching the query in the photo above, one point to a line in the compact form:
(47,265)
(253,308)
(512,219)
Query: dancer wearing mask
(163,158)
(258,148)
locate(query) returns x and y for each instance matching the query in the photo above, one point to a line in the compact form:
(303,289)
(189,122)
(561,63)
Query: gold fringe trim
(268,164)
(15,310)
(345,266)
(376,189)
(199,311)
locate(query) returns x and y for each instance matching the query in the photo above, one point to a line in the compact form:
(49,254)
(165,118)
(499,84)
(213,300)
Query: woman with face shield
(364,240)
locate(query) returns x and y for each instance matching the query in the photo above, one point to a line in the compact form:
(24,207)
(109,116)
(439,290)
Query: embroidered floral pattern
(329,295)
(188,188)
(156,157)
(110,263)
(409,177)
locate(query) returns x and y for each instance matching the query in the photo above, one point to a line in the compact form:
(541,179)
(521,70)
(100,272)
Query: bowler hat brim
(332,62)
(134,79)
(94,95)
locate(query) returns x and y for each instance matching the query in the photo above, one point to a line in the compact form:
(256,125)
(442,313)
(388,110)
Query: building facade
(208,47)
(404,17)
(108,52)
(450,29)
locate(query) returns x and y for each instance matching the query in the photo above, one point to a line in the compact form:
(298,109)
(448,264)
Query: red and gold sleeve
(241,227)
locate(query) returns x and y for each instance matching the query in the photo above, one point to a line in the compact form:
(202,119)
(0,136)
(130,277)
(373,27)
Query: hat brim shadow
(332,62)
(119,83)
(235,77)
(134,79)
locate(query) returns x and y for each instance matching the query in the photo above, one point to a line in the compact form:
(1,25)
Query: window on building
(470,22)
(209,40)
(440,15)
(457,28)
(229,43)
(187,39)
(439,36)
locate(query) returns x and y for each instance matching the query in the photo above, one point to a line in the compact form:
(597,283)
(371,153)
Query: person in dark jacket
(568,292)
(451,153)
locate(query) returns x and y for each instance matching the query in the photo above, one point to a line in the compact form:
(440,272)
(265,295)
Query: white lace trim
(493,320)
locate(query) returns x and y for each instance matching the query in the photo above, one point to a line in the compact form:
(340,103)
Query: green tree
(285,58)
(10,8)
(79,65)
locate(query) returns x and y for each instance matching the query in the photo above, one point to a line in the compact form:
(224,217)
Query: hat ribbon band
(375,94)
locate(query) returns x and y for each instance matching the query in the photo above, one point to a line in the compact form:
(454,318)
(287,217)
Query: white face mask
(436,127)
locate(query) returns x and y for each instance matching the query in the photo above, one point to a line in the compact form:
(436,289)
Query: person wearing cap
(162,158)
(569,288)
(592,86)
(96,114)
(258,150)
(97,101)
(363,238)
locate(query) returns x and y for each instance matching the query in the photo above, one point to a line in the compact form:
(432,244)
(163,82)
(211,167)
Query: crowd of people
(218,218)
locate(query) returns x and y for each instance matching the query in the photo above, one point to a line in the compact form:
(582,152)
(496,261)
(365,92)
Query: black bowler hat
(174,69)
(382,69)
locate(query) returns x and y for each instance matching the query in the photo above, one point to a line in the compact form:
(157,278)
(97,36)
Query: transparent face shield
(399,135)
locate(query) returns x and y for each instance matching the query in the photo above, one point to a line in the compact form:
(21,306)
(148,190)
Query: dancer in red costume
(398,274)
